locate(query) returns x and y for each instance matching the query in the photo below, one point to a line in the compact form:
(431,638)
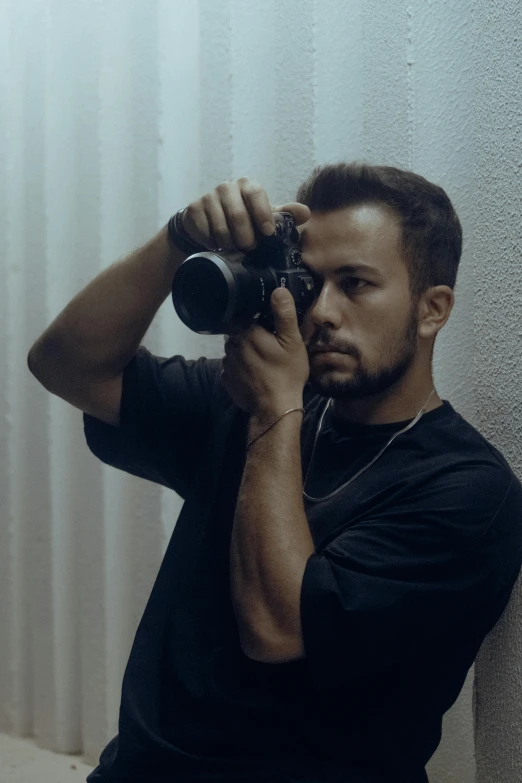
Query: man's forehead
(349,260)
(359,218)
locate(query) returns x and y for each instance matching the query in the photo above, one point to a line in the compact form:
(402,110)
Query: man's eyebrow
(366,268)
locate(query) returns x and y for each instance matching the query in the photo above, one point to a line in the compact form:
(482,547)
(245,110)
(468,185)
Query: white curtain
(113,115)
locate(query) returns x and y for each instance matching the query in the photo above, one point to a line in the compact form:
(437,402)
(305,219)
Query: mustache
(332,344)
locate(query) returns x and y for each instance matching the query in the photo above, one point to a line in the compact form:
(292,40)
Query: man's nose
(326,309)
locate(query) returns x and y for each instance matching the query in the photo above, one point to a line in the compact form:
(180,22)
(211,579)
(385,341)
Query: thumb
(300,212)
(284,312)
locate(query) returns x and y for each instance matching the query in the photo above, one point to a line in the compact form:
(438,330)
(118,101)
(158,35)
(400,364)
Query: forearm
(271,540)
(99,331)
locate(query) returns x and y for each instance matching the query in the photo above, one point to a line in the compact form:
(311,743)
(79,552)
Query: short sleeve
(392,587)
(166,413)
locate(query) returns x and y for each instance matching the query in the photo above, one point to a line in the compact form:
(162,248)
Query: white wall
(497,183)
(112,116)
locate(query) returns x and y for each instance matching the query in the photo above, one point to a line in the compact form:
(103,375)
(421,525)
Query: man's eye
(348,282)
(356,278)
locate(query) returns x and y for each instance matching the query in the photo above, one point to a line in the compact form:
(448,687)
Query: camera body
(218,292)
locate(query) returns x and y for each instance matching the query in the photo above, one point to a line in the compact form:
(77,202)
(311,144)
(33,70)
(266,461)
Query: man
(347,539)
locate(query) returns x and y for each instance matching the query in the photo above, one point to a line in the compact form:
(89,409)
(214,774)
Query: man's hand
(236,215)
(265,373)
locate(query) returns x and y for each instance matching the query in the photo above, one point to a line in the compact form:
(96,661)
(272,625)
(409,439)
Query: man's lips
(325,349)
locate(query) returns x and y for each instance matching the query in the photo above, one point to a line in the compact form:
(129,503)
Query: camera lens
(214,291)
(202,294)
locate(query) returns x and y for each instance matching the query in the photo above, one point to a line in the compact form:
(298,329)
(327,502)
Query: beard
(358,382)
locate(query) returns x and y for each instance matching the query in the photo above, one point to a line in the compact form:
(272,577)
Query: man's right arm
(81,356)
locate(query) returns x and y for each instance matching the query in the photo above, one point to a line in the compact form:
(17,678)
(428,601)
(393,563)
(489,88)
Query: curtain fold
(113,115)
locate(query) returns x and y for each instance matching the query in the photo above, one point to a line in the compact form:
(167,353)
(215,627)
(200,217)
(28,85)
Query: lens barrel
(217,292)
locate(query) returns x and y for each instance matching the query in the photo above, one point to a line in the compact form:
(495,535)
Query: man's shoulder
(479,453)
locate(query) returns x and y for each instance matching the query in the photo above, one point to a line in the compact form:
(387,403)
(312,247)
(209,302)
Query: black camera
(218,292)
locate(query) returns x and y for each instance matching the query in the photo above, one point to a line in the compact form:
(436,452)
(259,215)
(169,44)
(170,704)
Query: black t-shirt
(414,564)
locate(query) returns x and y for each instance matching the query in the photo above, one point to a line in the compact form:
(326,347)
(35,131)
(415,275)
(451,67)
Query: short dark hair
(431,230)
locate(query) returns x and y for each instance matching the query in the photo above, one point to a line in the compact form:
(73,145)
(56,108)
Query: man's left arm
(271,542)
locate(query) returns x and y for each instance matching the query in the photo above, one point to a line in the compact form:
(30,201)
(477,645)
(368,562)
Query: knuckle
(191,219)
(221,233)
(252,187)
(237,213)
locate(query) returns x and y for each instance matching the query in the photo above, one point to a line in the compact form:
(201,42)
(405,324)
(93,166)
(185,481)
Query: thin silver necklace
(327,497)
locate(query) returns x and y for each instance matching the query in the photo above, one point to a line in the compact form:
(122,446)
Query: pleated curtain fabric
(114,115)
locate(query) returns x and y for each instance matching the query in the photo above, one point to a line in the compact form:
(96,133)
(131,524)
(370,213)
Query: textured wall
(497,143)
(114,115)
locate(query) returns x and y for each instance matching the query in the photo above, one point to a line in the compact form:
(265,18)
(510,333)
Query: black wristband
(180,237)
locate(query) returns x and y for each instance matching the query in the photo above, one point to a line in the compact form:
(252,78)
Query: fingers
(196,224)
(239,218)
(234,215)
(300,212)
(217,222)
(258,205)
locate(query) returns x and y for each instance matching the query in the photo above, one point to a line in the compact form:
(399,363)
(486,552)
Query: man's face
(368,315)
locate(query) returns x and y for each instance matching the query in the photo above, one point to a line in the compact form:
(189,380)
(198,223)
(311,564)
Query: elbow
(30,361)
(32,364)
(277,651)
(270,648)
(251,642)
(34,358)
